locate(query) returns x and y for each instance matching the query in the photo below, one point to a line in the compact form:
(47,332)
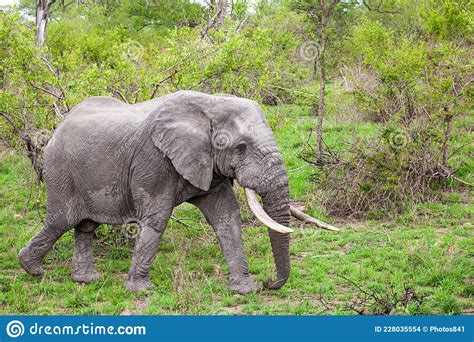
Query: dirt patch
(268,300)
(3,149)
(347,247)
(317,302)
(11,274)
(453,251)
(121,274)
(139,308)
(234,309)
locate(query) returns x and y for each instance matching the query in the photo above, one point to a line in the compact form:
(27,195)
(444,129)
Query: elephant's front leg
(222,211)
(151,230)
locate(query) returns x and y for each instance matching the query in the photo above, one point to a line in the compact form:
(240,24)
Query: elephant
(110,162)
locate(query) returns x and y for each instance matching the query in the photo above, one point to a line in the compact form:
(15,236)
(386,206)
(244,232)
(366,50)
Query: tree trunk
(221,12)
(319,71)
(447,136)
(42,18)
(321,111)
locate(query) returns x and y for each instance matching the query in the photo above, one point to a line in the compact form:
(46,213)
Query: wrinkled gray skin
(110,162)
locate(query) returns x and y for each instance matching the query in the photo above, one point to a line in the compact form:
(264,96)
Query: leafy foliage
(397,131)
(406,65)
(416,85)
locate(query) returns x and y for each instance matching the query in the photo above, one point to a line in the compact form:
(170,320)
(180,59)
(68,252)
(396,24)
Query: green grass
(426,253)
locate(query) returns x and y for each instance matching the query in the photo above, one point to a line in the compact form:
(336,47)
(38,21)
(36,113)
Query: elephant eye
(242,147)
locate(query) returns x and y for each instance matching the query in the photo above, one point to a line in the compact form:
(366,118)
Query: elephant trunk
(277,205)
(273,189)
(275,214)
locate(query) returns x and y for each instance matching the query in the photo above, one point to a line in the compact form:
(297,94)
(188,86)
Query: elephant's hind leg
(31,256)
(83,270)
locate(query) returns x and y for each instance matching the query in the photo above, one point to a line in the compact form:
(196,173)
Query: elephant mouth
(263,217)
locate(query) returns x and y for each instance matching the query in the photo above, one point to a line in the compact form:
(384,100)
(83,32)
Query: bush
(417,89)
(89,54)
(374,179)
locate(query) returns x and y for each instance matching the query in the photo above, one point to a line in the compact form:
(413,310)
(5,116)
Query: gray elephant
(110,162)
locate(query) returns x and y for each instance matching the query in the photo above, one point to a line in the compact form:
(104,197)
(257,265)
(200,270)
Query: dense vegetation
(371,104)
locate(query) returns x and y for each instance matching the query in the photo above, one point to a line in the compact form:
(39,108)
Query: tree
(321,20)
(42,18)
(161,14)
(221,12)
(330,23)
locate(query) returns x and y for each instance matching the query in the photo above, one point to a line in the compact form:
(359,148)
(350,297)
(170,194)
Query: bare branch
(32,150)
(60,97)
(121,95)
(378,8)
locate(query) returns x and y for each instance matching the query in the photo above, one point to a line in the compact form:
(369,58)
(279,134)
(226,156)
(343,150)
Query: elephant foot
(33,266)
(87,276)
(138,284)
(243,285)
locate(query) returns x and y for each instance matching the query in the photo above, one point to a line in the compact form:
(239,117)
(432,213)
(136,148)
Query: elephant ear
(182,132)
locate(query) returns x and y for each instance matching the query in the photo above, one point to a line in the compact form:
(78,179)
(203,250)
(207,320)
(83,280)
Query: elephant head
(204,135)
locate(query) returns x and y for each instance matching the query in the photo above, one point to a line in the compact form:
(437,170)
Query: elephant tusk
(311,220)
(261,215)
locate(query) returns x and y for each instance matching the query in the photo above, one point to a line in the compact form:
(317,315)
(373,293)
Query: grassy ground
(418,263)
